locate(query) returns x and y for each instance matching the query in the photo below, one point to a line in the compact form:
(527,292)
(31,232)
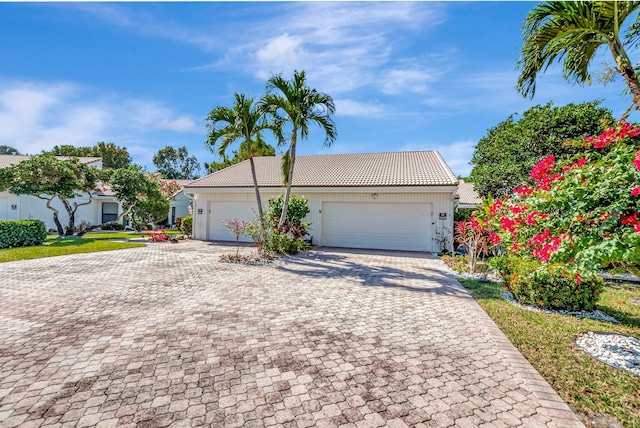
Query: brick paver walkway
(169,336)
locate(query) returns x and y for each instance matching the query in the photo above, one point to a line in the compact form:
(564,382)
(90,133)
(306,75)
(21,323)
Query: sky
(403,75)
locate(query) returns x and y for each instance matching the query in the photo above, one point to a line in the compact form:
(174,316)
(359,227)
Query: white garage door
(377,226)
(221,211)
(4,212)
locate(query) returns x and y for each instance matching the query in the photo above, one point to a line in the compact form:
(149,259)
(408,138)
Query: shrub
(556,287)
(21,233)
(284,243)
(459,264)
(259,234)
(186,226)
(297,211)
(113,226)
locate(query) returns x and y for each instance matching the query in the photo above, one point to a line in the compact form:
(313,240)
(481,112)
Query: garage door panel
(221,211)
(377,226)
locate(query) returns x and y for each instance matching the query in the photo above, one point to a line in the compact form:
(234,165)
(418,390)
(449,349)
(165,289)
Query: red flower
(636,161)
(494,238)
(620,132)
(635,191)
(543,168)
(631,220)
(516,209)
(523,191)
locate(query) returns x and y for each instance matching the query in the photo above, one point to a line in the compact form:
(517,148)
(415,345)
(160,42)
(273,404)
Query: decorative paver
(169,336)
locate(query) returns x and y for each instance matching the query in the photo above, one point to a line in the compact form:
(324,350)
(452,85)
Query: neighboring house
(396,201)
(104,206)
(467,196)
(179,204)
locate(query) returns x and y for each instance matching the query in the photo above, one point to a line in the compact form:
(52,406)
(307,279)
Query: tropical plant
(48,178)
(237,228)
(244,121)
(258,148)
(295,106)
(504,157)
(572,32)
(8,150)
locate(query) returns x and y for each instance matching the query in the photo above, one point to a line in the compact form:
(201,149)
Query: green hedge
(21,233)
(186,227)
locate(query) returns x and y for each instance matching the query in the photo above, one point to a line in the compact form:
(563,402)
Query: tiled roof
(6,160)
(424,168)
(468,194)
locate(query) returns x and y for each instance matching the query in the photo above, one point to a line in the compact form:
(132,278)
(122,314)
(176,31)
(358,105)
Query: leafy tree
(144,197)
(259,148)
(503,158)
(176,164)
(7,150)
(47,178)
(246,122)
(112,156)
(297,106)
(572,32)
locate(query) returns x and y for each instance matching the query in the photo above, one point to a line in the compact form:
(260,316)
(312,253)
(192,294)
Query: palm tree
(573,31)
(244,121)
(297,106)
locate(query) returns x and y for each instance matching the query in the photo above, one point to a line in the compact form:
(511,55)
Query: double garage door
(385,226)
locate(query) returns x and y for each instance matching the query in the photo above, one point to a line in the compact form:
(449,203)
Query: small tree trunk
(287,193)
(56,220)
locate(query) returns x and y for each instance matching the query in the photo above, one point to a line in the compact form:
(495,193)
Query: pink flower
(635,191)
(494,238)
(523,191)
(543,168)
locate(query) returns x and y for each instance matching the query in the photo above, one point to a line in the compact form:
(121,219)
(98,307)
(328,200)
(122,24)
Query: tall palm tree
(296,107)
(572,32)
(244,121)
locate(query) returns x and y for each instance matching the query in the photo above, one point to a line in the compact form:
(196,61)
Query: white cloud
(36,116)
(347,107)
(398,81)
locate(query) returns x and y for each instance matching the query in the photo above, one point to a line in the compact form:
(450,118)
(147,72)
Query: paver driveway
(168,335)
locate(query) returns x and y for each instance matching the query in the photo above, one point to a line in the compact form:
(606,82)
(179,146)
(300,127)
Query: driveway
(169,336)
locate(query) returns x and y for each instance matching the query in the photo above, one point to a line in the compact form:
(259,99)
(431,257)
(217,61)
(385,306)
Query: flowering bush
(473,236)
(582,213)
(237,228)
(297,211)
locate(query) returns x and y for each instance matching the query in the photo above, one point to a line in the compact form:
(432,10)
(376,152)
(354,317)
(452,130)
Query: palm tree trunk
(255,186)
(287,193)
(626,69)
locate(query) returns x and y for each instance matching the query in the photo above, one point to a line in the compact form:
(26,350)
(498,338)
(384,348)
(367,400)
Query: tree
(47,178)
(297,106)
(113,157)
(572,32)
(143,196)
(176,164)
(7,150)
(246,122)
(258,148)
(503,158)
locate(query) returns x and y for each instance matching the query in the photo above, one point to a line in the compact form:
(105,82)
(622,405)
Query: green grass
(546,340)
(63,246)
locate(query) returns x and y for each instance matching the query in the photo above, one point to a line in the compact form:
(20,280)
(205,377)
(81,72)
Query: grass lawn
(546,340)
(55,246)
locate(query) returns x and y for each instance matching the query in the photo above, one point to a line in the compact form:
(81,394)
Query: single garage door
(377,226)
(4,212)
(221,211)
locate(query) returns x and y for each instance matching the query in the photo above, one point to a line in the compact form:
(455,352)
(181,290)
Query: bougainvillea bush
(574,218)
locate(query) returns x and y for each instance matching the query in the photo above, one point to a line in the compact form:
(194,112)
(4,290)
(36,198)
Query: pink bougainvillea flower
(543,168)
(636,161)
(494,238)
(523,191)
(620,132)
(517,209)
(631,220)
(635,191)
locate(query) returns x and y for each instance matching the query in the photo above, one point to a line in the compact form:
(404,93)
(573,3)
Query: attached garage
(391,201)
(220,211)
(349,224)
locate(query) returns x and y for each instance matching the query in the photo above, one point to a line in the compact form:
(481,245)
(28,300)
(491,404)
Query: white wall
(441,198)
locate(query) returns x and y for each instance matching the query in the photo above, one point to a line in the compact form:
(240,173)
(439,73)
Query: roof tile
(418,168)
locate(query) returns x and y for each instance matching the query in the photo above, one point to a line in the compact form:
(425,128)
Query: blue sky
(404,76)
